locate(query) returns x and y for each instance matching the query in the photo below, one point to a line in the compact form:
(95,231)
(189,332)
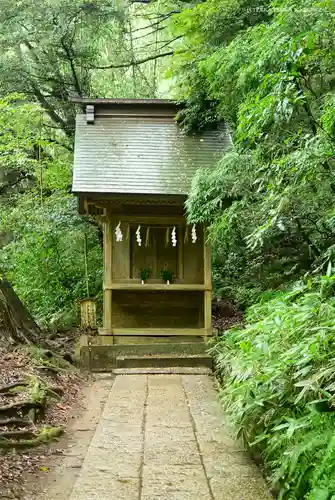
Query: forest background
(267,68)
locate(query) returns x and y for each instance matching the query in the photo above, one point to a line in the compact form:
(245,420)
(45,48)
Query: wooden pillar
(208,285)
(108,256)
(180,244)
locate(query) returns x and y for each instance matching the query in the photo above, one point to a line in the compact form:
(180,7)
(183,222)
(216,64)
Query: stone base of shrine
(104,353)
(155,332)
(103,339)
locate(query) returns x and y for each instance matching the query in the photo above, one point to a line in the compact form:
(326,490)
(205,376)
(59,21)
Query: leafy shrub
(278,386)
(45,258)
(266,68)
(42,236)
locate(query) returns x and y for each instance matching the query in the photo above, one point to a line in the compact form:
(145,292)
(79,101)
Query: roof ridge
(131,101)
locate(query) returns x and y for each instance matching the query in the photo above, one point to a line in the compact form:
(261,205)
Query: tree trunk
(17,326)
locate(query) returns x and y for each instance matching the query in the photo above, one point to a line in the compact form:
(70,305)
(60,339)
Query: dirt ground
(54,468)
(23,365)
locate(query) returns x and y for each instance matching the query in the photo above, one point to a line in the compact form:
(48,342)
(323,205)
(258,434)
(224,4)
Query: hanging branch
(148,35)
(165,42)
(86,266)
(69,54)
(132,55)
(155,62)
(156,23)
(39,158)
(134,62)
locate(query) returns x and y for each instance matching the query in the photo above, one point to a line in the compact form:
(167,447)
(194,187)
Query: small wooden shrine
(132,170)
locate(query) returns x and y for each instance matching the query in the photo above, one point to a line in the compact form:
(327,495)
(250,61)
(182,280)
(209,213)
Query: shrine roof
(135,146)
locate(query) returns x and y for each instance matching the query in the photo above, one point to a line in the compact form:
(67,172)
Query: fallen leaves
(16,366)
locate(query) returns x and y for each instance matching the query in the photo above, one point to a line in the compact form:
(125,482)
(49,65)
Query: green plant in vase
(145,274)
(166,275)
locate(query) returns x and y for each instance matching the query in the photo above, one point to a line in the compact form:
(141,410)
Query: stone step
(152,339)
(172,370)
(103,358)
(164,360)
(178,348)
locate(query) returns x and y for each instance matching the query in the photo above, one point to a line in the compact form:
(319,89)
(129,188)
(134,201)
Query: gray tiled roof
(140,155)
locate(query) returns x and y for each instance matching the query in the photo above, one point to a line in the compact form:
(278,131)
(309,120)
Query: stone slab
(229,470)
(239,488)
(164,437)
(95,485)
(170,452)
(104,355)
(182,481)
(164,360)
(124,463)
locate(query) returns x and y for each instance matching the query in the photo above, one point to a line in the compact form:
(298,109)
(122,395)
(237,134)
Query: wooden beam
(156,286)
(130,198)
(180,243)
(108,256)
(150,219)
(208,285)
(156,332)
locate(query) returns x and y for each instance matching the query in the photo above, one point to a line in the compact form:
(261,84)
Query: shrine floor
(161,437)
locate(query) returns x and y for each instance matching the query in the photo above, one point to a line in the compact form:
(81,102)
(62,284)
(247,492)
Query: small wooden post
(208,284)
(108,255)
(89,344)
(88,314)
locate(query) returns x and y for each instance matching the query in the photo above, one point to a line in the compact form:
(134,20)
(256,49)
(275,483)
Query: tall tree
(41,233)
(271,78)
(56,50)
(48,48)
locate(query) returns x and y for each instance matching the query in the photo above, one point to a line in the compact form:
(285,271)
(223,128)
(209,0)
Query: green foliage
(45,435)
(278,386)
(145,273)
(37,390)
(204,28)
(166,275)
(43,357)
(54,51)
(268,69)
(45,258)
(43,254)
(27,144)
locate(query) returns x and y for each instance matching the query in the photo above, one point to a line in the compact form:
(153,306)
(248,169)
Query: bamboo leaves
(279,385)
(272,193)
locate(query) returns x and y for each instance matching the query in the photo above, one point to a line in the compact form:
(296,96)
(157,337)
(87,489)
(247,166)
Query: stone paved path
(161,437)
